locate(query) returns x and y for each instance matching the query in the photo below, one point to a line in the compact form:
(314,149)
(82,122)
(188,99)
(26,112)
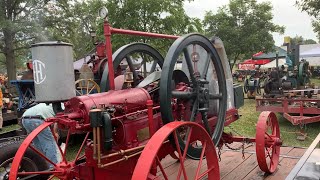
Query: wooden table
(308,167)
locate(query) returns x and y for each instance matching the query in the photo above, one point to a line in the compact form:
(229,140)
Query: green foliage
(158,16)
(18,29)
(71,21)
(300,40)
(312,7)
(245,27)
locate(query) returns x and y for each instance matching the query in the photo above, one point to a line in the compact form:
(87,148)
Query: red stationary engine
(178,110)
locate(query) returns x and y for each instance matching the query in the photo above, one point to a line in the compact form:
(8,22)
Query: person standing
(44,141)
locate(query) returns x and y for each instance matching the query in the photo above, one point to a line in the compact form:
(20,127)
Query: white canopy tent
(273,64)
(315,52)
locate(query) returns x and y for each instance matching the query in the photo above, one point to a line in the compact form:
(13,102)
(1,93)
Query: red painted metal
(126,101)
(26,143)
(307,114)
(296,120)
(150,117)
(107,35)
(154,150)
(61,170)
(268,142)
(141,33)
(101,50)
(132,113)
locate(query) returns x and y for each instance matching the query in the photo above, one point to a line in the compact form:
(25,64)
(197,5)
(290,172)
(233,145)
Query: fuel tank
(127,100)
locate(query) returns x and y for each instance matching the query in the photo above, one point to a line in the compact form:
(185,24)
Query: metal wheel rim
(150,158)
(122,53)
(87,88)
(167,71)
(261,138)
(57,171)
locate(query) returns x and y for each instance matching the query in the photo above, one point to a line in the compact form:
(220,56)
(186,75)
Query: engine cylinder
(53,71)
(130,100)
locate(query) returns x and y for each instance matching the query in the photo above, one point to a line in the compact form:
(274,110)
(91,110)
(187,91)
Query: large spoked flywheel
(203,98)
(138,57)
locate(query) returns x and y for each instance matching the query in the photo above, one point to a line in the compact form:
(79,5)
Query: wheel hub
(65,169)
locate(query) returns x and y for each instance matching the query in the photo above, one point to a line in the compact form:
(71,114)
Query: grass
(316,81)
(10,128)
(246,125)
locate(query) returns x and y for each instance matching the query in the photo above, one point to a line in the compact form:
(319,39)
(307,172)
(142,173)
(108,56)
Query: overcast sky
(284,11)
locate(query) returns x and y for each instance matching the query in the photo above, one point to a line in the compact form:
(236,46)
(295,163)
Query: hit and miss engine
(294,74)
(196,88)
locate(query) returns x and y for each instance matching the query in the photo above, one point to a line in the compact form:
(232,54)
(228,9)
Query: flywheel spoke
(161,168)
(53,176)
(87,83)
(200,59)
(67,142)
(201,157)
(56,141)
(183,94)
(80,93)
(81,147)
(42,155)
(268,135)
(93,87)
(180,156)
(206,172)
(38,173)
(194,111)
(131,67)
(206,67)
(155,149)
(189,132)
(215,96)
(267,153)
(189,64)
(154,65)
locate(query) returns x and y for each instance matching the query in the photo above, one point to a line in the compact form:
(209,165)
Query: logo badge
(38,71)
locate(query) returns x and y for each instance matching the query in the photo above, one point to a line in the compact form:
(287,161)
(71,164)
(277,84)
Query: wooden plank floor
(233,166)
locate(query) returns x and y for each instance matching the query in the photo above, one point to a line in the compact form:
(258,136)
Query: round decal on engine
(38,71)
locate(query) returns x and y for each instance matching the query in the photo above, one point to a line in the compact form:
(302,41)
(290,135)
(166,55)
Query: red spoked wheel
(61,170)
(149,165)
(268,142)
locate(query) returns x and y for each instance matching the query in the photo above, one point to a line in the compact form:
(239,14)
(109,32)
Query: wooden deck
(234,167)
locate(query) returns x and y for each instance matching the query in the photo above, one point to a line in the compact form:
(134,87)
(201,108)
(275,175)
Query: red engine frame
(135,120)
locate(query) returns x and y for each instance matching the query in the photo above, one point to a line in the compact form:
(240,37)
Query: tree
(245,27)
(312,7)
(71,21)
(18,29)
(159,16)
(300,40)
(310,41)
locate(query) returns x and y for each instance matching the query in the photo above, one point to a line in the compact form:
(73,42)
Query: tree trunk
(234,62)
(10,57)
